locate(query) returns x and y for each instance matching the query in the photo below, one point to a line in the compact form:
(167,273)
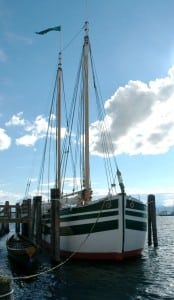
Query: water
(150,276)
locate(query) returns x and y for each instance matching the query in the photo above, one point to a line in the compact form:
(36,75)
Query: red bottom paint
(102,256)
(98,256)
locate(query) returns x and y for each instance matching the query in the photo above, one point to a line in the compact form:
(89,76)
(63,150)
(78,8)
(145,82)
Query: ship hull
(109,229)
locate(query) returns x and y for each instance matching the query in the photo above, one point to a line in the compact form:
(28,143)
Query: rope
(73,38)
(66,260)
(5,295)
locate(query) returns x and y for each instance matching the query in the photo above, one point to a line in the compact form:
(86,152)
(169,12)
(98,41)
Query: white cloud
(9,196)
(27,140)
(35,131)
(5,140)
(39,126)
(16,120)
(140,118)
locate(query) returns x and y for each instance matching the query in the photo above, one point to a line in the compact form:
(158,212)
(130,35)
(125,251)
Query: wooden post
(30,221)
(152,228)
(7,209)
(7,214)
(6,291)
(55,224)
(33,216)
(38,200)
(17,217)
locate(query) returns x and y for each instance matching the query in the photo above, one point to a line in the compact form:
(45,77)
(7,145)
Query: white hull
(104,229)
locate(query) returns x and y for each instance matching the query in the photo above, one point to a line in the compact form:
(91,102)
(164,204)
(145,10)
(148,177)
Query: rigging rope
(73,38)
(107,143)
(40,181)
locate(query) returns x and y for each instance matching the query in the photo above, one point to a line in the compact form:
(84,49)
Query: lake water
(150,276)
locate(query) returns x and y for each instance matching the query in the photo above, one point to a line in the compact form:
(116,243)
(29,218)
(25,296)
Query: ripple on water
(149,277)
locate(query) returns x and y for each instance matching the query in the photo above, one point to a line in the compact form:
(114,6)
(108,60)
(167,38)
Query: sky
(133,47)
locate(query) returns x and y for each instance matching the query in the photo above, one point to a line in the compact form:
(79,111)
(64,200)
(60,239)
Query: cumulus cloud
(5,140)
(27,140)
(16,120)
(35,131)
(9,196)
(139,118)
(39,126)
(32,131)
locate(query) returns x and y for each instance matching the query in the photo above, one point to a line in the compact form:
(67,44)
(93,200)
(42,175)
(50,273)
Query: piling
(36,226)
(4,228)
(152,227)
(7,209)
(29,216)
(33,216)
(55,224)
(17,229)
(38,219)
(6,290)
(25,212)
(6,214)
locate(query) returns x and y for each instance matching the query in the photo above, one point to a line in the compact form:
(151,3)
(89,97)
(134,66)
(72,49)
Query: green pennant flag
(57,28)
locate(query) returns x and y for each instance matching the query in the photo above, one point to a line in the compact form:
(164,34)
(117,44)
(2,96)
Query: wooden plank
(14,220)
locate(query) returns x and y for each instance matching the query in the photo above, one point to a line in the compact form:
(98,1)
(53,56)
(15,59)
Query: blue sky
(133,48)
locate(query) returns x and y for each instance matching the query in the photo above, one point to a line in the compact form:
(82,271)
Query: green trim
(136,225)
(89,216)
(101,205)
(88,228)
(136,214)
(132,204)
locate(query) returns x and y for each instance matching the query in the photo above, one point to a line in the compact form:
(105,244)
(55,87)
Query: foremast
(86,181)
(86,193)
(58,126)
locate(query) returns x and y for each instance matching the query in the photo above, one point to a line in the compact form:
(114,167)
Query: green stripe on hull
(90,216)
(101,205)
(136,225)
(136,214)
(88,228)
(130,203)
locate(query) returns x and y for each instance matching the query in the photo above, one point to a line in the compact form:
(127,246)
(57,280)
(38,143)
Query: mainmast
(58,126)
(87,188)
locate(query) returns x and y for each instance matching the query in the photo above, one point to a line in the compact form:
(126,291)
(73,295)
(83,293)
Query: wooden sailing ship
(112,226)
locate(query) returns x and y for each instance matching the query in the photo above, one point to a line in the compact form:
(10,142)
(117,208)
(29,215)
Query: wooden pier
(30,215)
(16,213)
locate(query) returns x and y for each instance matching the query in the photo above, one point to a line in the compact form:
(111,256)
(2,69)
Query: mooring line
(66,260)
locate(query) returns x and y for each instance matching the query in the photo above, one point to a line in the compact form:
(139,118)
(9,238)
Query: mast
(86,116)
(58,126)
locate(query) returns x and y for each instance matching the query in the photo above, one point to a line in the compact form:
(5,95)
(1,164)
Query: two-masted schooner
(113,226)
